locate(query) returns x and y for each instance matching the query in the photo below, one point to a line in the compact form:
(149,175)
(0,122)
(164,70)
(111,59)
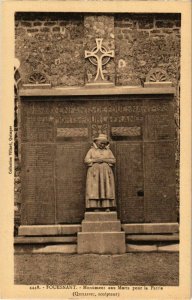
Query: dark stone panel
(37,122)
(159,120)
(130,182)
(159,181)
(38,196)
(70,182)
(70,126)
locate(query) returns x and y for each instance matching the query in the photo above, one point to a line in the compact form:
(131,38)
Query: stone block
(164,24)
(101,242)
(43,230)
(100,216)
(101,226)
(169,248)
(150,228)
(140,248)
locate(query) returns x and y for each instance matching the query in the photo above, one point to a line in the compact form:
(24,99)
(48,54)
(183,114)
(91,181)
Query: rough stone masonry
(53,44)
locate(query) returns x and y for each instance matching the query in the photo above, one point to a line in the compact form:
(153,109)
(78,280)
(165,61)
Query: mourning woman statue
(100,187)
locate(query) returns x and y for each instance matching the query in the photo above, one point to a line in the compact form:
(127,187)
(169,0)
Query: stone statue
(100,187)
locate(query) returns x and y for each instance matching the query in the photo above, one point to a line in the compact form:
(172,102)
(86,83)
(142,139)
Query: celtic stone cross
(99,56)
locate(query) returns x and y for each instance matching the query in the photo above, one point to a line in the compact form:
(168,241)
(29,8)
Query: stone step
(63,249)
(152,237)
(45,240)
(101,216)
(151,228)
(72,248)
(141,248)
(168,248)
(101,242)
(101,226)
(152,248)
(43,230)
(68,229)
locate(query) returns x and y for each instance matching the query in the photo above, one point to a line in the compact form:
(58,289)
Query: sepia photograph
(94,150)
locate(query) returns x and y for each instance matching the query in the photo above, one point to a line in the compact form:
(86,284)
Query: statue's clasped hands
(98,160)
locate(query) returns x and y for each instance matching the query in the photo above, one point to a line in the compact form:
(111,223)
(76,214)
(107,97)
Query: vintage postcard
(96,144)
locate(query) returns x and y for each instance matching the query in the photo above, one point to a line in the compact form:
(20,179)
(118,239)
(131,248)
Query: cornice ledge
(97,90)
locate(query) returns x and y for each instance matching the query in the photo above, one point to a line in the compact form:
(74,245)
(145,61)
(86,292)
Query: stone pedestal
(101,233)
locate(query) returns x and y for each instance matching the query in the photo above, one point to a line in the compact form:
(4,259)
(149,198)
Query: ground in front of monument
(150,269)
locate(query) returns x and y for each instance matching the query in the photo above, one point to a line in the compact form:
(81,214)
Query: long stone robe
(100,186)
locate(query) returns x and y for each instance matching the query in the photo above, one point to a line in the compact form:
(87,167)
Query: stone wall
(144,42)
(53,45)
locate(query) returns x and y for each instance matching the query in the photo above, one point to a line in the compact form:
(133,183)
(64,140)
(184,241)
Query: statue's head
(101,141)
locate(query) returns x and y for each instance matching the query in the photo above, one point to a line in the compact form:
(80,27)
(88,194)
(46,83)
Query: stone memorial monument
(78,96)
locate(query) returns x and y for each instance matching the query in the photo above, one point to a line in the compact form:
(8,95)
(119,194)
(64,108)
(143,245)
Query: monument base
(101,242)
(101,234)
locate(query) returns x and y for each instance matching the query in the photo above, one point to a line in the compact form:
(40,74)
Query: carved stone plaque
(72,132)
(56,136)
(126,131)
